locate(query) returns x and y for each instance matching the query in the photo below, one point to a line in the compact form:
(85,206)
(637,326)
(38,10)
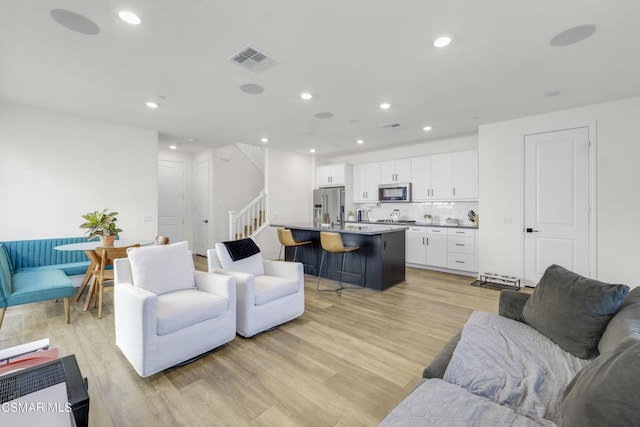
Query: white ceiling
(351,54)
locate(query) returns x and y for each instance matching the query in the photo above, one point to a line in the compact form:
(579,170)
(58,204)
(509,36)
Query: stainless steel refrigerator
(328,201)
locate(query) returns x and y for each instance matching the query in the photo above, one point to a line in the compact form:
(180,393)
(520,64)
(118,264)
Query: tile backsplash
(439,211)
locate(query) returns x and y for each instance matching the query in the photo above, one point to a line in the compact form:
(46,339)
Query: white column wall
(289,189)
(54,167)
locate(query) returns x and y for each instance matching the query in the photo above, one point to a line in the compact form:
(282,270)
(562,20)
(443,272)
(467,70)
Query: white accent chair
(269,293)
(167,313)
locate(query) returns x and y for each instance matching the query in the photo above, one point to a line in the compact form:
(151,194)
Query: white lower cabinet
(416,251)
(463,262)
(437,247)
(441,247)
(461,249)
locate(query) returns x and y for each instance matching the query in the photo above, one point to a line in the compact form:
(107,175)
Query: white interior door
(556,202)
(201,211)
(171,189)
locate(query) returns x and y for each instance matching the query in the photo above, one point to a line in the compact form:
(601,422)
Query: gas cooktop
(399,221)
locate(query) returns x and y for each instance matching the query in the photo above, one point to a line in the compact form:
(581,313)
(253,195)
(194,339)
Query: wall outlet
(147,218)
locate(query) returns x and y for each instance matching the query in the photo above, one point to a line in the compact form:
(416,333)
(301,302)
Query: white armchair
(269,293)
(166,312)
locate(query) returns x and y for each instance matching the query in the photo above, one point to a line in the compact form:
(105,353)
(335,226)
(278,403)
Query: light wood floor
(346,362)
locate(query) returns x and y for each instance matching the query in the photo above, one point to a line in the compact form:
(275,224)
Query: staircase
(254,153)
(250,220)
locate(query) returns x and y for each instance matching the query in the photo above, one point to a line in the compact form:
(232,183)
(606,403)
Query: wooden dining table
(94,263)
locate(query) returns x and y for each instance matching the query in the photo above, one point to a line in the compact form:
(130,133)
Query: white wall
(289,181)
(54,167)
(421,149)
(236,181)
(618,152)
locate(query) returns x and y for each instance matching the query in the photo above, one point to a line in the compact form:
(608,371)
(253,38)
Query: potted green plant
(102,224)
(428,218)
(350,216)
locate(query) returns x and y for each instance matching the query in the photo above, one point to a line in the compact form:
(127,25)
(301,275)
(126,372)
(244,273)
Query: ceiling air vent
(392,125)
(253,60)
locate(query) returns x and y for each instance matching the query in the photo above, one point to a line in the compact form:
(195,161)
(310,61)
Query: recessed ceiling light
(265,140)
(442,41)
(552,94)
(360,141)
(173,147)
(129,17)
(306,96)
(427,128)
(385,105)
(312,150)
(151,105)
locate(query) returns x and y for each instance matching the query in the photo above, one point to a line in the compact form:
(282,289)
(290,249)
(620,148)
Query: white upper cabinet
(441,188)
(330,175)
(366,178)
(447,176)
(395,171)
(465,175)
(421,178)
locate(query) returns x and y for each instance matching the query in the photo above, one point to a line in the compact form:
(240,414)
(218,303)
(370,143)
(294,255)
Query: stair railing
(250,220)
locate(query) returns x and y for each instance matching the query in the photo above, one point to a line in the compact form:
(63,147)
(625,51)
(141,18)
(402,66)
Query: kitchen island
(381,255)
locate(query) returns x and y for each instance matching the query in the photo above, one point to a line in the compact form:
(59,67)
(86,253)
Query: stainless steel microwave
(394,193)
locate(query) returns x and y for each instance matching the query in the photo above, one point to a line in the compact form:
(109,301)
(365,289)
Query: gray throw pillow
(626,322)
(572,310)
(632,297)
(605,392)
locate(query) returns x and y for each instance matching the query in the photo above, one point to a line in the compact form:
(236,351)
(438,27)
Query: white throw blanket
(513,365)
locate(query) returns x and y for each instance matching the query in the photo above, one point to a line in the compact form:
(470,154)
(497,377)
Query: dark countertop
(414,224)
(348,228)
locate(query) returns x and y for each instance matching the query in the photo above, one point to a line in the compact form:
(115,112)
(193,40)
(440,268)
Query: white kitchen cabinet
(441,188)
(426,246)
(461,251)
(446,176)
(366,178)
(421,178)
(416,250)
(463,262)
(431,178)
(441,247)
(465,174)
(330,175)
(437,250)
(393,171)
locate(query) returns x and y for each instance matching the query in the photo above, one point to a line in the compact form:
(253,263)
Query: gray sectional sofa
(566,355)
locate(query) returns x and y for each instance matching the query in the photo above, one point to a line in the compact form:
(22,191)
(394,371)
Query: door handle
(531,230)
(206,221)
